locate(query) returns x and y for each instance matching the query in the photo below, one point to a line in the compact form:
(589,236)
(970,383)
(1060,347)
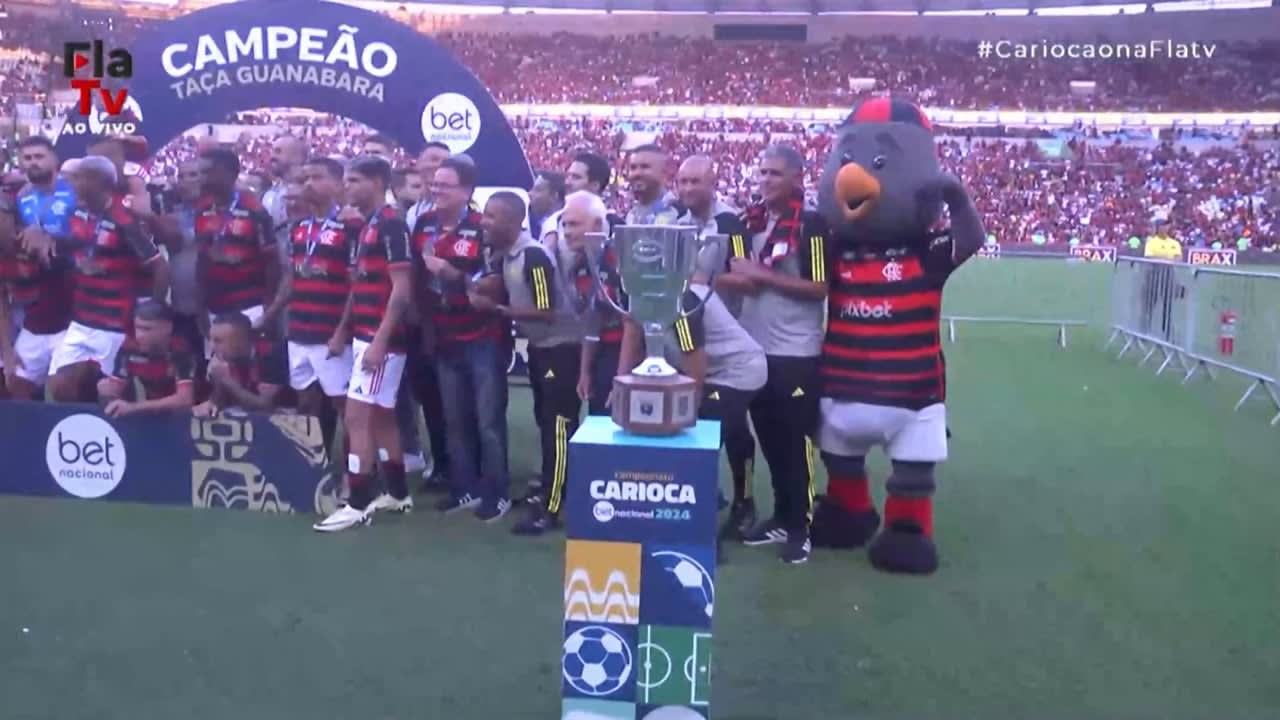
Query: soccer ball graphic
(597,661)
(694,580)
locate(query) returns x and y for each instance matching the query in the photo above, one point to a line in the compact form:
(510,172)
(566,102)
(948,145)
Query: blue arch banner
(327,57)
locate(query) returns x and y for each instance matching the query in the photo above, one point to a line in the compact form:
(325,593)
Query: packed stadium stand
(1042,185)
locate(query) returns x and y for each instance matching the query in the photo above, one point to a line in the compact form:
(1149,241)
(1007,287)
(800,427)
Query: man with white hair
(584,212)
(109,249)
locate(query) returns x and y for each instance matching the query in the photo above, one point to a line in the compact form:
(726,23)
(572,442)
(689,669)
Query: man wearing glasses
(450,262)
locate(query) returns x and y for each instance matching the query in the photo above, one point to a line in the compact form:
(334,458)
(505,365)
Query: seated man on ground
(246,372)
(153,358)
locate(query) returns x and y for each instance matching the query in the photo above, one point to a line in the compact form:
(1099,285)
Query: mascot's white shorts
(851,429)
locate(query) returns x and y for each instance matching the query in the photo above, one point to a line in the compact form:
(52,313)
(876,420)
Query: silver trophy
(654,266)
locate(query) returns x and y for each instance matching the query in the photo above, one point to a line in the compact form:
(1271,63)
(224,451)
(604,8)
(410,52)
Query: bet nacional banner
(272,463)
(640,573)
(324,56)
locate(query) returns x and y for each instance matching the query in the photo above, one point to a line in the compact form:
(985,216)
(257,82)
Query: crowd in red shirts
(656,69)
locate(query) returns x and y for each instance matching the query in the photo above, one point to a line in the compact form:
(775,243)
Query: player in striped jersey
(380,294)
(239,260)
(157,360)
(318,291)
(882,369)
(108,248)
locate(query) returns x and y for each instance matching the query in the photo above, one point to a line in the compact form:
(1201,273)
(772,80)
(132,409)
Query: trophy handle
(717,244)
(594,245)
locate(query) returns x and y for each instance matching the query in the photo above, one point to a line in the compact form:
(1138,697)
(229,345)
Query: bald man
(288,154)
(696,187)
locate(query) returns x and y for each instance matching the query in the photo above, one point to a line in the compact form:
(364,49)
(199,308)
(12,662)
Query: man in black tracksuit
(546,318)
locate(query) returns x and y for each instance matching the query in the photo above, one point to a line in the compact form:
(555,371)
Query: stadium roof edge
(786,8)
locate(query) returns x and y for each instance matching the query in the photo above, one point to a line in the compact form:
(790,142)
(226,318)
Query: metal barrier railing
(1166,308)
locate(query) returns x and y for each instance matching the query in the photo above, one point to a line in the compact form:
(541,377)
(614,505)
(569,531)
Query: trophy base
(655,405)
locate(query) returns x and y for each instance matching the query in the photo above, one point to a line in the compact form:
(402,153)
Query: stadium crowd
(1096,192)
(655,69)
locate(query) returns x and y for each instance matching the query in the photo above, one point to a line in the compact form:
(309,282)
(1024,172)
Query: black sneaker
(796,550)
(493,511)
(539,521)
(435,484)
(742,518)
(769,532)
(451,504)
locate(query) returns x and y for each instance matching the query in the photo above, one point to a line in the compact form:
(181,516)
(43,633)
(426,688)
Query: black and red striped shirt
(463,246)
(266,364)
(884,310)
(383,244)
(602,321)
(236,243)
(47,297)
(159,372)
(142,279)
(108,250)
(320,250)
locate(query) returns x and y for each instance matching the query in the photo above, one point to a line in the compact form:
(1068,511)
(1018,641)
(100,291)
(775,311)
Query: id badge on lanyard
(308,268)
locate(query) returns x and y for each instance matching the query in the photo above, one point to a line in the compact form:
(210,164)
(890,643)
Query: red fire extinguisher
(1227,332)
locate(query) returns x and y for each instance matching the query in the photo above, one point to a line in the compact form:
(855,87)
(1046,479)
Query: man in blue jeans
(470,358)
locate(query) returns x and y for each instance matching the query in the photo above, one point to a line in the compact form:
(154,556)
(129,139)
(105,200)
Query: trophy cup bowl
(655,263)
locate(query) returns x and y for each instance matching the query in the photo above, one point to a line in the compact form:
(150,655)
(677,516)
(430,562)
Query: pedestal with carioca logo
(640,573)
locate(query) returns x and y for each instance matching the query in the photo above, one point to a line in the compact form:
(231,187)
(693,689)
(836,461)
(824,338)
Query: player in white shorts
(108,248)
(317,279)
(379,297)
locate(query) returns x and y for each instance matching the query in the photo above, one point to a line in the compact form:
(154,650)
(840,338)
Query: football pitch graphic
(675,666)
(1108,550)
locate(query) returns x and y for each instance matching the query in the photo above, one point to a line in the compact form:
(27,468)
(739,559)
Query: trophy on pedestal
(655,264)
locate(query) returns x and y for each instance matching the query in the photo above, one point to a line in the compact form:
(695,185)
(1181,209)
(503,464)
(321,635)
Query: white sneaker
(389,503)
(414,464)
(344,518)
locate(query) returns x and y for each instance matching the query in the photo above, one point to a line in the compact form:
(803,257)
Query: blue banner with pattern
(273,463)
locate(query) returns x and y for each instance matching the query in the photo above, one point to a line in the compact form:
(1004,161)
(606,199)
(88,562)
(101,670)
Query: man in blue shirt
(40,286)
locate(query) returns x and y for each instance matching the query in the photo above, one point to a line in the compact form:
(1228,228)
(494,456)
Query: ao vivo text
(100,63)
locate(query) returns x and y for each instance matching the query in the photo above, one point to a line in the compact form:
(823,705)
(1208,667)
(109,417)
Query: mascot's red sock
(846,517)
(851,493)
(905,545)
(915,510)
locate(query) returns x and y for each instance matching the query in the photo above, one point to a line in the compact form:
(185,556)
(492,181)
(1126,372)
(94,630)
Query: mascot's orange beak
(857,192)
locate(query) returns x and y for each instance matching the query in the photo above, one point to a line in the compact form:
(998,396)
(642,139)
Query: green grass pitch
(1109,550)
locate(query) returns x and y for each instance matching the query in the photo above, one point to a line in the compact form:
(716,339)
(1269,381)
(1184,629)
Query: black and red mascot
(883,373)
